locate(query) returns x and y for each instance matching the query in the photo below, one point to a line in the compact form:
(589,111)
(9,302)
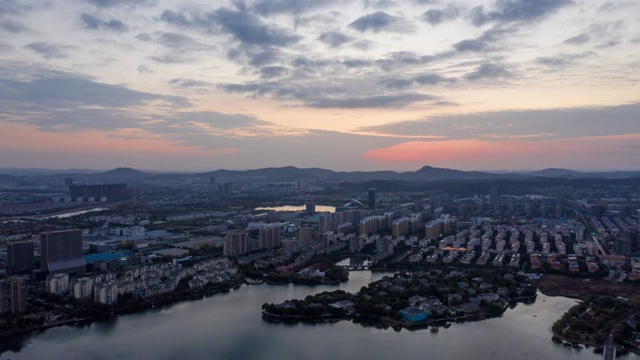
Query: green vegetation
(591,321)
(444,294)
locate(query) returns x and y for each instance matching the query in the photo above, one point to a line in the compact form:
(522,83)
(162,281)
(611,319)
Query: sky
(340,84)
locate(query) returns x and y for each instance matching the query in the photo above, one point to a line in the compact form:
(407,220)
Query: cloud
(508,11)
(380,4)
(564,60)
(143,69)
(11,7)
(244,27)
(189,83)
(334,39)
(364,45)
(271,72)
(483,43)
(380,21)
(46,50)
(13,27)
(530,125)
(488,71)
(423,79)
(180,42)
(92,22)
(179,48)
(578,39)
(273,7)
(372,102)
(116,3)
(437,16)
(64,90)
(403,58)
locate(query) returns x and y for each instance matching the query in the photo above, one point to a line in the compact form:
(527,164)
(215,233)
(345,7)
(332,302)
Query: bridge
(356,267)
(609,350)
(353,203)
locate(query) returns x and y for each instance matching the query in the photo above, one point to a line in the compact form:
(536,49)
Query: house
(416,299)
(470,307)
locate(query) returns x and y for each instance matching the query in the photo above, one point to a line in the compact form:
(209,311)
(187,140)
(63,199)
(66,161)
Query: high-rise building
(13,295)
(494,197)
(301,184)
(372,198)
(83,288)
(269,237)
(58,284)
(110,192)
(20,259)
(238,243)
(325,223)
(310,208)
(305,235)
(61,252)
(68,181)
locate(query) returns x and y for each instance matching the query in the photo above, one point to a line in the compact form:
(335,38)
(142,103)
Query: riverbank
(581,289)
(185,330)
(123,310)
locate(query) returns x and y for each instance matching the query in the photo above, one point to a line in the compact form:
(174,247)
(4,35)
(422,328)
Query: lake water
(319,208)
(74,213)
(230,326)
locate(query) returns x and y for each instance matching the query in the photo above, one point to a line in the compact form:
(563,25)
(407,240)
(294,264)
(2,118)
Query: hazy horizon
(364,85)
(496,171)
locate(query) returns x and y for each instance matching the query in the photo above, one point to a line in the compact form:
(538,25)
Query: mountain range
(291,173)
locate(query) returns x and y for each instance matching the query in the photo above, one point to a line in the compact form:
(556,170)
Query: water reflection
(229,326)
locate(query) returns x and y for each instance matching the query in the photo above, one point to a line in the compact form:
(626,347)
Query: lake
(230,326)
(319,208)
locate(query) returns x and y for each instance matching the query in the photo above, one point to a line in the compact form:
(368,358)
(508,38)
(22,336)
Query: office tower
(68,181)
(20,259)
(61,252)
(494,197)
(212,180)
(372,198)
(269,237)
(13,295)
(238,243)
(305,235)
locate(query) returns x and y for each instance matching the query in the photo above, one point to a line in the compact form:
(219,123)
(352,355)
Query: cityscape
(312,179)
(448,249)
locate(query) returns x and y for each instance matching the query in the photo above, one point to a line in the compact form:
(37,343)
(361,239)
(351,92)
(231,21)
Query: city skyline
(368,85)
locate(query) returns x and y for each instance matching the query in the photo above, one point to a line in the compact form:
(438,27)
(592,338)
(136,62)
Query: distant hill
(564,173)
(44,172)
(123,172)
(553,172)
(291,173)
(429,173)
(8,178)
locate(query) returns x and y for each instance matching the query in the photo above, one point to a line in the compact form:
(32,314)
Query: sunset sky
(339,84)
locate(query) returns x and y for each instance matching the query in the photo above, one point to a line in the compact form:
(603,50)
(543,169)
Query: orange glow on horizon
(479,153)
(18,136)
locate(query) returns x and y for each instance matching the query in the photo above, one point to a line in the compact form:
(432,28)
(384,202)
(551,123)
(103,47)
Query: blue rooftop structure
(414,314)
(105,256)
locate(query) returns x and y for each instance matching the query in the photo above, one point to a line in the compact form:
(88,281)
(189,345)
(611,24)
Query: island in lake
(414,299)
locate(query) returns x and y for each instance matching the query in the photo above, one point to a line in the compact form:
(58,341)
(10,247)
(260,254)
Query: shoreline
(120,311)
